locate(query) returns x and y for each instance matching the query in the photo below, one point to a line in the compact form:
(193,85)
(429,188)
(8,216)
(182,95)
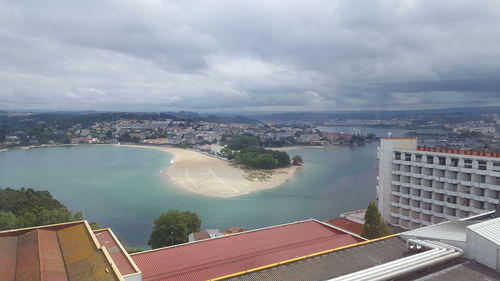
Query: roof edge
(302,258)
(341,229)
(127,255)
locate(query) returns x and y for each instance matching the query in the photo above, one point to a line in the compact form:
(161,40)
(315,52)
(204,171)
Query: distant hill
(456,113)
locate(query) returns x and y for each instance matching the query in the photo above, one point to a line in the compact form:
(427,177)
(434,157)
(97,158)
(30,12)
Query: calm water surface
(122,187)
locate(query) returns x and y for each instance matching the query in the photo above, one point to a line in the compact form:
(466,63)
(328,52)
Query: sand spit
(201,174)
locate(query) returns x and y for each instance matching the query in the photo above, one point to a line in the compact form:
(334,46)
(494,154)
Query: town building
(467,249)
(420,186)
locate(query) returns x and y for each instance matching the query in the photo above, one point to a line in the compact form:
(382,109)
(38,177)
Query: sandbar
(205,175)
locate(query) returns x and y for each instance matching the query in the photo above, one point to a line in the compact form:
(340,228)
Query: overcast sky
(153,55)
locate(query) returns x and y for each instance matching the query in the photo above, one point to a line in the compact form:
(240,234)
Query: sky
(253,56)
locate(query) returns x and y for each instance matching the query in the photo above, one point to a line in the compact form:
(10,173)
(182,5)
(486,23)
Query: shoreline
(201,174)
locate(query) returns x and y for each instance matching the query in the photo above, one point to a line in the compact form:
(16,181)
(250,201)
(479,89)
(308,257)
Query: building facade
(419,186)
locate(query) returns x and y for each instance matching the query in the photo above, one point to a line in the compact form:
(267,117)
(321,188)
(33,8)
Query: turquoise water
(122,187)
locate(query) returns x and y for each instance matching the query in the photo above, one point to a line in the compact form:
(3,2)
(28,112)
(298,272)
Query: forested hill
(27,207)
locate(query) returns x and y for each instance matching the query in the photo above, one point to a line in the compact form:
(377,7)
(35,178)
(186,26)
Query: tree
(27,207)
(173,227)
(370,136)
(297,160)
(375,226)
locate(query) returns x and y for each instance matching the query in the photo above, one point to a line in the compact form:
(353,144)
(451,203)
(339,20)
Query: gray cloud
(248,55)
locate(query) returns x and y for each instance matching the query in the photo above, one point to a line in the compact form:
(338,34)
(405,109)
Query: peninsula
(205,175)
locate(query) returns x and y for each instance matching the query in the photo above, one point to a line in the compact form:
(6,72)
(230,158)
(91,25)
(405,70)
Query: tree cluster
(261,158)
(27,207)
(173,227)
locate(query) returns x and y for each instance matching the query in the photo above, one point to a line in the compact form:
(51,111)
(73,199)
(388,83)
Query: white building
(419,186)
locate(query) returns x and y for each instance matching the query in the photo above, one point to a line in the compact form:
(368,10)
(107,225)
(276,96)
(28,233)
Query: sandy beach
(201,174)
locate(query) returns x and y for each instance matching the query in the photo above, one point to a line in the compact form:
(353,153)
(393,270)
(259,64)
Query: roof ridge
(37,237)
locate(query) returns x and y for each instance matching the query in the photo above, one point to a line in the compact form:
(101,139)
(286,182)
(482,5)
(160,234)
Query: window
(442,161)
(454,162)
(407,157)
(496,166)
(482,165)
(430,159)
(483,179)
(418,158)
(397,155)
(468,163)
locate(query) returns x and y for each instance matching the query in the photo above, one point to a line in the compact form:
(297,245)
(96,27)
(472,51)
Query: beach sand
(201,174)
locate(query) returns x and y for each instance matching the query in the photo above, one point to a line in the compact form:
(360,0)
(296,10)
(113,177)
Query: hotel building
(420,186)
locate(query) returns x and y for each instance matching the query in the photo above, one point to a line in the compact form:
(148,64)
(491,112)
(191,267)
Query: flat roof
(120,257)
(449,230)
(67,251)
(238,252)
(369,254)
(460,270)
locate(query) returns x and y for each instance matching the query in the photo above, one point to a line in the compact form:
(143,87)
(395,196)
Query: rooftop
(62,252)
(463,270)
(450,230)
(355,258)
(347,225)
(460,151)
(489,229)
(221,256)
(119,255)
(334,264)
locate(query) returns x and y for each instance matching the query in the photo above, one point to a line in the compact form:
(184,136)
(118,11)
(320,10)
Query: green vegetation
(245,150)
(375,226)
(297,160)
(133,250)
(173,227)
(371,136)
(27,207)
(262,158)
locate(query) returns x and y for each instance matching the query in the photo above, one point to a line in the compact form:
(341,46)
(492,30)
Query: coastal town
(210,133)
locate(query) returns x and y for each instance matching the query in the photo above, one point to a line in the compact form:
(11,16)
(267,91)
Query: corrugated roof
(464,270)
(334,264)
(489,229)
(120,257)
(347,225)
(58,252)
(234,253)
(451,230)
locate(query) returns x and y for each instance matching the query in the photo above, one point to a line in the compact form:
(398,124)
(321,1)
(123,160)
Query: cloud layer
(228,55)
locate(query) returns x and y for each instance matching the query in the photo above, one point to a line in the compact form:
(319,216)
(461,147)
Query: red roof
(117,253)
(460,151)
(234,253)
(347,225)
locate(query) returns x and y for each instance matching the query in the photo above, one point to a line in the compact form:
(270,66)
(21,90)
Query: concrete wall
(482,250)
(387,145)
